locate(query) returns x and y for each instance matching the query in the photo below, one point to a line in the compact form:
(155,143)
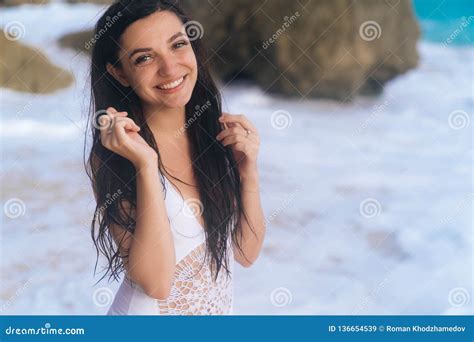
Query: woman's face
(157,61)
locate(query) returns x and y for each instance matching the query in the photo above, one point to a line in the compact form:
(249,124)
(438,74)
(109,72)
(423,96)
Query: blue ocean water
(446,21)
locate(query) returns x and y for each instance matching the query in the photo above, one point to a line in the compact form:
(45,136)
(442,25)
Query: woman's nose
(167,66)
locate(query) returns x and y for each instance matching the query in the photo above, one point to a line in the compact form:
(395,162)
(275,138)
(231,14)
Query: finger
(117,115)
(238,130)
(119,135)
(104,138)
(230,124)
(117,132)
(106,133)
(253,134)
(112,121)
(224,125)
(233,139)
(112,111)
(231,131)
(239,119)
(131,125)
(106,120)
(227,124)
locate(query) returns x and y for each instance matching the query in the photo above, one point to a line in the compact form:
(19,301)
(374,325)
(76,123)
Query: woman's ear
(118,74)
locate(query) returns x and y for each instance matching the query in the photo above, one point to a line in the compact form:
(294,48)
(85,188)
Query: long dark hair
(113,177)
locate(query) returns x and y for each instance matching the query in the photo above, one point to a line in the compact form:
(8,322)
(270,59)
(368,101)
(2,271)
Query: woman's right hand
(120,135)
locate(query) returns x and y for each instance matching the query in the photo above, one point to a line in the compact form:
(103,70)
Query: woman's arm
(151,258)
(148,254)
(252,241)
(243,137)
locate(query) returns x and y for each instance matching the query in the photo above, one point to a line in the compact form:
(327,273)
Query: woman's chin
(168,103)
(177,102)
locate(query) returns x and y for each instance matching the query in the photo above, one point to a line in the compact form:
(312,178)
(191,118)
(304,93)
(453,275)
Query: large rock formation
(315,48)
(80,41)
(100,2)
(26,69)
(6,3)
(311,48)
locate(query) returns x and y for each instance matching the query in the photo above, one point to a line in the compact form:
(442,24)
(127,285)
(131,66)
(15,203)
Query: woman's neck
(163,120)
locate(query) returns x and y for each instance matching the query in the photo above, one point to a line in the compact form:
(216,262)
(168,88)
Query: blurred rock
(21,2)
(328,48)
(26,69)
(43,2)
(100,2)
(78,40)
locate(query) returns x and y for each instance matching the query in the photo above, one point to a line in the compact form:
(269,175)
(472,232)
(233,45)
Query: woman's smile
(173,86)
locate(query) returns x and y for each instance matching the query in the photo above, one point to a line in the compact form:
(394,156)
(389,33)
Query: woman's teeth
(172,85)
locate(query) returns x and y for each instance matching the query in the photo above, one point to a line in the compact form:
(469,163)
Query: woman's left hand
(243,137)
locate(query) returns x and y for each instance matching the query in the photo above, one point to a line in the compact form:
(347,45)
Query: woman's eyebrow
(173,37)
(138,50)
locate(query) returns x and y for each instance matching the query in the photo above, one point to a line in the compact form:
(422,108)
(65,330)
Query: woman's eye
(142,59)
(180,44)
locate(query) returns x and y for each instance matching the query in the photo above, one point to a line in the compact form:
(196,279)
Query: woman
(175,179)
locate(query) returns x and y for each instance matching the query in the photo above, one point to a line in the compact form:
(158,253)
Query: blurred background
(365,115)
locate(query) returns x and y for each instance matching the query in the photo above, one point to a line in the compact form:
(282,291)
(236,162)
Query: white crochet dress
(194,291)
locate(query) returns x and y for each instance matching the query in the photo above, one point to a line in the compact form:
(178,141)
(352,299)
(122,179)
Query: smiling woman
(156,117)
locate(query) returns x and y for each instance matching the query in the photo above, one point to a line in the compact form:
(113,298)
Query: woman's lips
(176,87)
